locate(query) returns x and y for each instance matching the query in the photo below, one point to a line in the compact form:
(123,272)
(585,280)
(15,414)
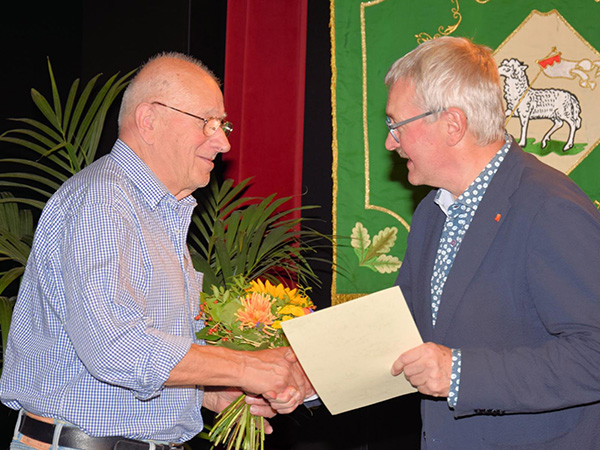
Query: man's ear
(145,121)
(456,122)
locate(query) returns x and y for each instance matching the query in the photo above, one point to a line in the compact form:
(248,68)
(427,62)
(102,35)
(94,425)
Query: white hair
(454,72)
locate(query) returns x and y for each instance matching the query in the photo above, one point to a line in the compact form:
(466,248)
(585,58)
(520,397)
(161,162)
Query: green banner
(546,54)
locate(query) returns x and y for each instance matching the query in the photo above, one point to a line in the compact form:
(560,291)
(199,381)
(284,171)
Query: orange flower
(256,311)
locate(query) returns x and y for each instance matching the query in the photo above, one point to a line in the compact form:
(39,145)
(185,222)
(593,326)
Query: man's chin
(203,184)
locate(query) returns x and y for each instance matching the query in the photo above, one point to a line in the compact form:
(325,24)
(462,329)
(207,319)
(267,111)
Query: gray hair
(455,72)
(137,91)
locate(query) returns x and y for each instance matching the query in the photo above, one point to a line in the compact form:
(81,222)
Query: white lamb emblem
(555,104)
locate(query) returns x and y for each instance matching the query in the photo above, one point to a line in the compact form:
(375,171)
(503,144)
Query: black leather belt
(75,438)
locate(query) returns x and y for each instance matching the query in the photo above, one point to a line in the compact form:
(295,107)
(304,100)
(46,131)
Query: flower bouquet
(247,315)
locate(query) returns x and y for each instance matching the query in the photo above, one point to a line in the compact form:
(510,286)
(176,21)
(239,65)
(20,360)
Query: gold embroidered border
(363,41)
(334,148)
(421,37)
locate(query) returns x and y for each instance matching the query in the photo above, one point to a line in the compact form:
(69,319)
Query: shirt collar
(142,177)
(444,199)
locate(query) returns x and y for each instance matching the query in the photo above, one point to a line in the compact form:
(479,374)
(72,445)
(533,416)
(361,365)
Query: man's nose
(390,142)
(223,142)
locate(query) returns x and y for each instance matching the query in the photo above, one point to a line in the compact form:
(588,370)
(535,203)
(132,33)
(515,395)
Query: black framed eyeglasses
(211,124)
(394,126)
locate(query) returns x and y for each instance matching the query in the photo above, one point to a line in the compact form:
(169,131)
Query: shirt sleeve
(454,378)
(105,297)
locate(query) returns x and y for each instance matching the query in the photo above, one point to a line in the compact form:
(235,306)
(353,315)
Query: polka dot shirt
(459,214)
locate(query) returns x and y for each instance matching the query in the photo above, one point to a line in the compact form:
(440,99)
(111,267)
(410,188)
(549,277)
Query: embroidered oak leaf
(373,254)
(386,264)
(360,240)
(385,239)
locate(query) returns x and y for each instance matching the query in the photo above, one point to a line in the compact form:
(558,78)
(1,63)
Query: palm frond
(253,237)
(16,238)
(6,308)
(66,141)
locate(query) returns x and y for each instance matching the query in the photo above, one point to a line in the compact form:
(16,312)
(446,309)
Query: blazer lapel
(429,251)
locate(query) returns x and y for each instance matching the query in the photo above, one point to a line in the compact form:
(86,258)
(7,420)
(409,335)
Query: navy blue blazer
(522,302)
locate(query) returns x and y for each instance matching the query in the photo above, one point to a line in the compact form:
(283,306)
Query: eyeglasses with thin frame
(211,124)
(393,126)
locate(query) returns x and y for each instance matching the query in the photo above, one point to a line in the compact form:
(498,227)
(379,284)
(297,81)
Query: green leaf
(36,124)
(32,177)
(204,334)
(24,186)
(43,140)
(66,142)
(55,96)
(80,107)
(45,108)
(38,166)
(25,201)
(73,158)
(251,237)
(69,104)
(10,276)
(91,112)
(228,312)
(224,259)
(202,265)
(27,144)
(6,309)
(45,152)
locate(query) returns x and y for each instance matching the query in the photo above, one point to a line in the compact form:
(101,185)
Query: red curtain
(264,94)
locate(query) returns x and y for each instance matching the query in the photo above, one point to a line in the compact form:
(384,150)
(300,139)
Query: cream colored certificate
(347,350)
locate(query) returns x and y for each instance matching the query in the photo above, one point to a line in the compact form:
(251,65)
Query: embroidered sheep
(530,104)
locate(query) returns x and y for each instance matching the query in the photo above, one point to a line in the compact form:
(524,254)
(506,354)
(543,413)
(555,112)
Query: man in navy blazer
(502,268)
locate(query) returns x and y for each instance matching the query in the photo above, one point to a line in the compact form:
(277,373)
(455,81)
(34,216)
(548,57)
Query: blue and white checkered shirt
(106,307)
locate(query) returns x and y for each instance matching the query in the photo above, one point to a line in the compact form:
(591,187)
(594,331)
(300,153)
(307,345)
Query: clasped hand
(278,377)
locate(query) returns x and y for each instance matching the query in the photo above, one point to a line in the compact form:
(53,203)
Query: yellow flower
(256,311)
(281,292)
(267,288)
(277,323)
(292,310)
